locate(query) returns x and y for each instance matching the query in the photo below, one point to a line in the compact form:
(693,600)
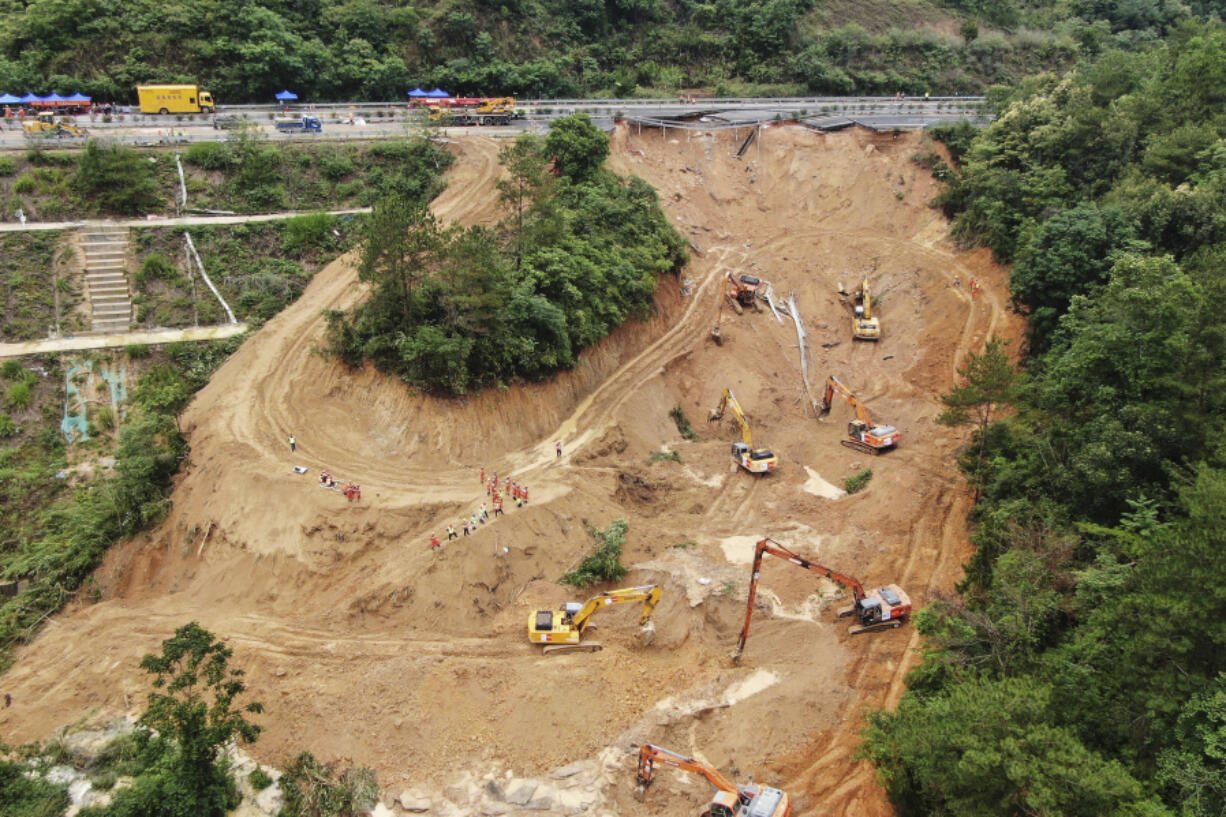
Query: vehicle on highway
(166,99)
(304,124)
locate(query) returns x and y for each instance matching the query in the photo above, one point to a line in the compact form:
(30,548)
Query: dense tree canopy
(245,51)
(458,309)
(1081,668)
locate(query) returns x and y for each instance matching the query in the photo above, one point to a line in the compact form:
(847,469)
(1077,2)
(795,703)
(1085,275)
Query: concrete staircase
(106,284)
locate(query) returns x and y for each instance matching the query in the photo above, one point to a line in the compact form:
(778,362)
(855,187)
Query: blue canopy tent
(77,98)
(28,98)
(416,92)
(286,96)
(438,93)
(9,99)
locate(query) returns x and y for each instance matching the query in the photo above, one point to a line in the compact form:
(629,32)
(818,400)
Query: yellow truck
(174,99)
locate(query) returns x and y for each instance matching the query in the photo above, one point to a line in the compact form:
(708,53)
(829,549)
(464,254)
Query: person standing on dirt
(525,494)
(497,506)
(451,534)
(485,514)
(293,444)
(482,474)
(434,542)
(558,447)
(464,526)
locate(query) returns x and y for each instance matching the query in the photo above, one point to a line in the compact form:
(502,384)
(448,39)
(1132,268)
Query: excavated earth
(367,647)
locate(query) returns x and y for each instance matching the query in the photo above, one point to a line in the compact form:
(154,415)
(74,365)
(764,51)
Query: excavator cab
(742,291)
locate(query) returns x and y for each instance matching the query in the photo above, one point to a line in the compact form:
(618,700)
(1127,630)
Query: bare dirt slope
(365,645)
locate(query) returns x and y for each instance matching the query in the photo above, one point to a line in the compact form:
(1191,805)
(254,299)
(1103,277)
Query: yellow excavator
(753,460)
(47,126)
(561,630)
(864,326)
(730,800)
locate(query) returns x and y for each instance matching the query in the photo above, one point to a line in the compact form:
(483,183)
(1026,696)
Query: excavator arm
(772,547)
(833,386)
(648,594)
(649,755)
(729,402)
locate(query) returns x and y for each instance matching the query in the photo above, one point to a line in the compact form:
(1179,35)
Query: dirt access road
(366,646)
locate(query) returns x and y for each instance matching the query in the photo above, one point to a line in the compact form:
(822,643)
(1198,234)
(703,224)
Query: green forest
(1079,669)
(331,50)
(455,309)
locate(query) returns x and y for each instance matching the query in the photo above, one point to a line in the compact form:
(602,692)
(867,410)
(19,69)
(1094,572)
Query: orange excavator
(880,609)
(730,800)
(862,434)
(742,291)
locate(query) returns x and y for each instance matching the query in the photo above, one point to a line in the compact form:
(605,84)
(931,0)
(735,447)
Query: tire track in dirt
(943,523)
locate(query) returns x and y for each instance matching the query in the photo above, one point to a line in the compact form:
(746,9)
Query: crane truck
(475,111)
(561,630)
(881,609)
(862,434)
(863,325)
(730,800)
(753,460)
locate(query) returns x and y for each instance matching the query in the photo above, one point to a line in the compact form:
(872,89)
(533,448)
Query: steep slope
(366,645)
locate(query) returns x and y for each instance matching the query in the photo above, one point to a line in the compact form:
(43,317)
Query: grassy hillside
(373,49)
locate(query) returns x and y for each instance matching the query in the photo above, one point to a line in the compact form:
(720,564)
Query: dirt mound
(364,644)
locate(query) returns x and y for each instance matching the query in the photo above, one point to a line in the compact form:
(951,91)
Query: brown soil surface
(365,645)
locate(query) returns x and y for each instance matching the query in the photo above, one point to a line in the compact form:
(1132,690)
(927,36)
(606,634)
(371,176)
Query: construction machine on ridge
(883,608)
(864,325)
(753,460)
(562,630)
(742,291)
(730,800)
(862,434)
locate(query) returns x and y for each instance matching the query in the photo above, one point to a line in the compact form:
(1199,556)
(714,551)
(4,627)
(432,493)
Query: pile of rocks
(577,788)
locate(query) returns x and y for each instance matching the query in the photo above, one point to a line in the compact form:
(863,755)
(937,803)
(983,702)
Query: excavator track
(892,624)
(859,446)
(590,646)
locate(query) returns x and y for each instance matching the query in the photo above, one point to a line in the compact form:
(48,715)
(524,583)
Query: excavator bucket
(647,633)
(823,410)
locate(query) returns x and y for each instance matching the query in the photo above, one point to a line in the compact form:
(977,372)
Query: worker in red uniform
(434,543)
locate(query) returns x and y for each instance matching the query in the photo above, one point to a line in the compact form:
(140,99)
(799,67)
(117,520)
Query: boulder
(413,803)
(570,770)
(519,791)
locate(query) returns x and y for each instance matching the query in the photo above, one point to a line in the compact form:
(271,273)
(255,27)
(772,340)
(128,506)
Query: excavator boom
(563,629)
(862,434)
(755,461)
(886,607)
(649,755)
(730,800)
